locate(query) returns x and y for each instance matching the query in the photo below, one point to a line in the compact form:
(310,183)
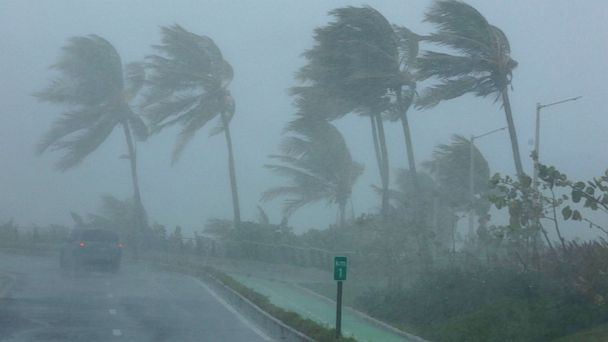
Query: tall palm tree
(408,46)
(318,165)
(482,64)
(352,68)
(189,86)
(451,167)
(97,92)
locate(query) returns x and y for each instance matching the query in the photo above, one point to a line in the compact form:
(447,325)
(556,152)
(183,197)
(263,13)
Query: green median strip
(292,319)
(312,307)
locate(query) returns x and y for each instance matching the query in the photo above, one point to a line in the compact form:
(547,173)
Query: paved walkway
(308,305)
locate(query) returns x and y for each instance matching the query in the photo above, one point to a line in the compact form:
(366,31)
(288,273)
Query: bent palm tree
(189,86)
(451,167)
(482,66)
(97,92)
(351,69)
(318,165)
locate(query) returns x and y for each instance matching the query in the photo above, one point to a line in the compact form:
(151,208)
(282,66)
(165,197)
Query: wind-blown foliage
(93,86)
(188,86)
(318,166)
(97,92)
(114,214)
(482,63)
(451,167)
(353,61)
(358,64)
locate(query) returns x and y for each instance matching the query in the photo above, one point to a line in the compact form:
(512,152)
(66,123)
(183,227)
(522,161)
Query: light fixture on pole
(472,177)
(537,135)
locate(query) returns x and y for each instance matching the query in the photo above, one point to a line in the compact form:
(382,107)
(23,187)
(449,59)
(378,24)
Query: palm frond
(187,85)
(482,52)
(91,85)
(80,146)
(316,163)
(228,114)
(91,74)
(451,167)
(408,45)
(262,216)
(461,27)
(446,90)
(193,120)
(135,77)
(355,59)
(191,59)
(445,66)
(69,123)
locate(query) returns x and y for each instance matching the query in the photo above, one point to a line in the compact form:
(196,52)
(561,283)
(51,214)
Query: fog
(316,109)
(558,45)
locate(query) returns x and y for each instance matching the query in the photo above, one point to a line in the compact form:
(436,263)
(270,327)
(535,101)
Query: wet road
(137,304)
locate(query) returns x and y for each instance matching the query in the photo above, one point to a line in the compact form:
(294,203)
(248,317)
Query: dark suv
(91,247)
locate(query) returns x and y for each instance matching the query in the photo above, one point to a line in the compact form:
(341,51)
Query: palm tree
(189,86)
(408,43)
(318,165)
(482,64)
(96,91)
(352,68)
(451,167)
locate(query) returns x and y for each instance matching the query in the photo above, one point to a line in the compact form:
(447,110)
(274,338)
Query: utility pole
(537,136)
(472,178)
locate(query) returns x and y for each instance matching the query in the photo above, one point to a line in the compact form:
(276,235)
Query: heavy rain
(429,170)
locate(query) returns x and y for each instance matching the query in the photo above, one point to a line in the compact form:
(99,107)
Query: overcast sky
(561,47)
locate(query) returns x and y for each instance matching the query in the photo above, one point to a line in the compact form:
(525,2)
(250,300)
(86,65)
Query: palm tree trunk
(407,135)
(408,144)
(231,168)
(140,215)
(376,144)
(418,220)
(342,214)
(385,164)
(513,135)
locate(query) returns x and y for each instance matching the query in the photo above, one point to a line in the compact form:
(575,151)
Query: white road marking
(112,311)
(231,309)
(116,332)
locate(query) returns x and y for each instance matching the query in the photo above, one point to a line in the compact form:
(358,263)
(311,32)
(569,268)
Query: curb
(374,321)
(269,324)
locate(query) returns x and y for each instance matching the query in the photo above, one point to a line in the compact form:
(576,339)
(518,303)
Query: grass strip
(306,326)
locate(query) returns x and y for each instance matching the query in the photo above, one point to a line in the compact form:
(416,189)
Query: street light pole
(471,185)
(472,177)
(537,136)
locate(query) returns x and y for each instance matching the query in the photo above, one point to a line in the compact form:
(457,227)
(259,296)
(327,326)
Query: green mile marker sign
(340,268)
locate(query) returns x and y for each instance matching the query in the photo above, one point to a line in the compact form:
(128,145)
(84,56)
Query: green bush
(458,304)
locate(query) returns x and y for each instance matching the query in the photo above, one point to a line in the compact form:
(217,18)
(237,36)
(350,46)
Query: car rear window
(99,235)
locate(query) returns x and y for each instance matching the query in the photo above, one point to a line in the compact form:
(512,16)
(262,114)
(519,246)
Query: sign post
(339,275)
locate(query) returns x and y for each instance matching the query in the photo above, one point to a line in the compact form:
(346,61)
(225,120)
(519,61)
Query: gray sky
(560,45)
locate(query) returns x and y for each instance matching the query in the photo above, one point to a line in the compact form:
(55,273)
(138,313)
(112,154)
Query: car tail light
(82,244)
(120,245)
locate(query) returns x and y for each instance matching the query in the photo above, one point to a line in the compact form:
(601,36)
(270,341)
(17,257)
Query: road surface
(137,304)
